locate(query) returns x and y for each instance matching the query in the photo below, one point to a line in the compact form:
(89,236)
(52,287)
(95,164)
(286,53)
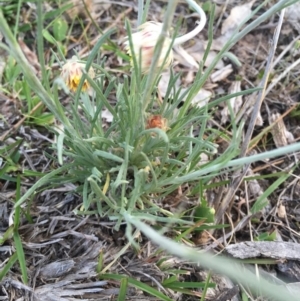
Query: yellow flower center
(74,83)
(72,74)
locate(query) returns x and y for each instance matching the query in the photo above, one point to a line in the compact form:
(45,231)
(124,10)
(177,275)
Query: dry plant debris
(62,248)
(281,135)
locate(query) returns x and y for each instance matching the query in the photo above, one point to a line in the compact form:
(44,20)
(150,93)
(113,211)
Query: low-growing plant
(125,169)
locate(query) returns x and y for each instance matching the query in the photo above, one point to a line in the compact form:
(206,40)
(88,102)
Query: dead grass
(62,248)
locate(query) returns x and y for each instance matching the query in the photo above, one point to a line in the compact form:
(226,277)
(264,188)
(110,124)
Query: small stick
(238,175)
(261,94)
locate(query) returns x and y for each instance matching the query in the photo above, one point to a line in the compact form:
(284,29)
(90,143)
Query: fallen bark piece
(57,291)
(57,269)
(270,249)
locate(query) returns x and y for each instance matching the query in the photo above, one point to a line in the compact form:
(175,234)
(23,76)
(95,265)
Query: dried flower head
(157,121)
(144,42)
(72,72)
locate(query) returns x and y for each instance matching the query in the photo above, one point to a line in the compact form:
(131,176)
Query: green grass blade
(262,201)
(8,265)
(16,236)
(40,45)
(21,257)
(43,181)
(236,163)
(8,234)
(139,285)
(205,287)
(123,289)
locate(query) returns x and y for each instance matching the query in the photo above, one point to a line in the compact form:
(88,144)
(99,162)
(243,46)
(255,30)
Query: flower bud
(72,72)
(157,121)
(144,42)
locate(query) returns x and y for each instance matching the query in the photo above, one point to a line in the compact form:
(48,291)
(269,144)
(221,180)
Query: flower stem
(196,30)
